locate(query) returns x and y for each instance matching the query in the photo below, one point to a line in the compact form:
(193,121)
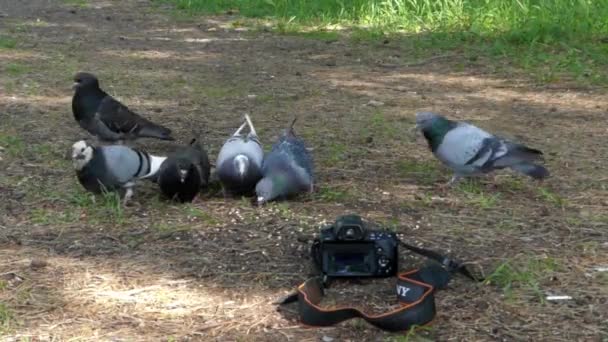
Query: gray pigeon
(185,172)
(113,167)
(239,163)
(287,169)
(107,119)
(469,150)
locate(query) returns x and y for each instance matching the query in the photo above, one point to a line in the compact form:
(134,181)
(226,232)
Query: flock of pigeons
(241,166)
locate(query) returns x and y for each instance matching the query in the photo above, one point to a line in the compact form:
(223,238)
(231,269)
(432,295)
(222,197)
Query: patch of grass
(549,39)
(380,127)
(12,145)
(358,35)
(336,152)
(7,42)
(525,275)
(79,3)
(414,334)
(16,69)
(52,216)
(475,194)
(551,197)
(204,216)
(425,172)
(5,318)
(333,194)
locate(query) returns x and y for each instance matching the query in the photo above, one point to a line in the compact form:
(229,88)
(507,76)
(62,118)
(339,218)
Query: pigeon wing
(467,145)
(118,117)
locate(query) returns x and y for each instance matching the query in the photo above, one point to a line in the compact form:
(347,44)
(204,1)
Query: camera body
(349,249)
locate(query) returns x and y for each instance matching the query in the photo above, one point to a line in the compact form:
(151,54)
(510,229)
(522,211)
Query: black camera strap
(451,266)
(415,293)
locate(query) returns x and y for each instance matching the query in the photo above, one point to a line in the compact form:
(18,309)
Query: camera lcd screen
(350,259)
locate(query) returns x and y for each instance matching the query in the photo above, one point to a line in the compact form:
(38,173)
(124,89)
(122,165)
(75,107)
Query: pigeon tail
(523,152)
(238,131)
(252,131)
(155,131)
(289,130)
(532,170)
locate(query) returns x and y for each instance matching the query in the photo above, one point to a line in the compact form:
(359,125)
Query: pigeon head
(241,164)
(82,153)
(425,120)
(434,127)
(184,169)
(271,187)
(85,80)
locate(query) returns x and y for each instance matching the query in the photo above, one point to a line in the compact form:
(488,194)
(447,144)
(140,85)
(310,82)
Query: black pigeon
(113,167)
(185,172)
(106,118)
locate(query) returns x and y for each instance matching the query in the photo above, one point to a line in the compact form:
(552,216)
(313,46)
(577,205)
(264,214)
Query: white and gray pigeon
(106,118)
(112,167)
(287,169)
(469,150)
(239,163)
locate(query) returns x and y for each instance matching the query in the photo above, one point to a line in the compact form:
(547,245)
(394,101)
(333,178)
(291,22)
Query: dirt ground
(75,269)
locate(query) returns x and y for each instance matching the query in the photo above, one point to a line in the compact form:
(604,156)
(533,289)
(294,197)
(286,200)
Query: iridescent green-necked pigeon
(469,150)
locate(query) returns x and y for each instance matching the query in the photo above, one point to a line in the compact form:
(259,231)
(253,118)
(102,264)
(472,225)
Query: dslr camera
(348,248)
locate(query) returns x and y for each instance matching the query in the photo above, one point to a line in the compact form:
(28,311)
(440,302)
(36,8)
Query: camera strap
(415,294)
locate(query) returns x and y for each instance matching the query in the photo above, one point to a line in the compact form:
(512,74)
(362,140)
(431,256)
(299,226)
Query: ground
(76,267)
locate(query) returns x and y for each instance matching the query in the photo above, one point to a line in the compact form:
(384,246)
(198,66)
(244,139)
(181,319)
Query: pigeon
(239,163)
(287,169)
(112,167)
(106,118)
(184,172)
(469,150)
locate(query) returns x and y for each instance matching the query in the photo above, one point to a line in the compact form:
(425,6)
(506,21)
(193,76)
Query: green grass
(333,194)
(15,69)
(551,197)
(424,172)
(12,145)
(7,43)
(5,318)
(475,194)
(550,39)
(79,3)
(523,275)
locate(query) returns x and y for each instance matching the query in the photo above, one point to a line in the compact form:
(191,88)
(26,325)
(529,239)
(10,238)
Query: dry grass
(210,270)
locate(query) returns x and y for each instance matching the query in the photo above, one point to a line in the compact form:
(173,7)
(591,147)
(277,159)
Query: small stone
(38,263)
(327,338)
(375,103)
(330,62)
(251,96)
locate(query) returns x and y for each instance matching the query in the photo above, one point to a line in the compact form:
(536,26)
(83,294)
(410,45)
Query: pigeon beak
(261,200)
(182,175)
(74,85)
